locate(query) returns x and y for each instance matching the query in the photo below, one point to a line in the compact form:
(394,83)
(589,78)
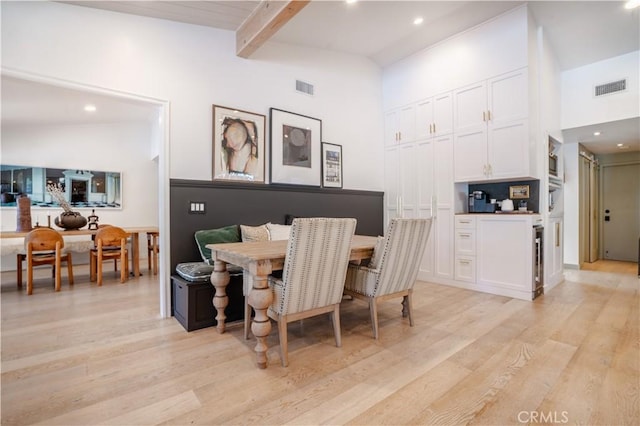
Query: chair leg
(282,334)
(373,308)
(99,268)
(247,318)
(69,269)
(336,325)
(29,276)
(19,259)
(408,305)
(57,270)
(123,266)
(92,266)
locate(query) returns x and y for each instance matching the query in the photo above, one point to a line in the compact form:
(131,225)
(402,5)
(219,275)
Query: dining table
(133,231)
(260,259)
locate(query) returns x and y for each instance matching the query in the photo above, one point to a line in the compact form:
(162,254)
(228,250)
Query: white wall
(490,49)
(194,67)
(579,105)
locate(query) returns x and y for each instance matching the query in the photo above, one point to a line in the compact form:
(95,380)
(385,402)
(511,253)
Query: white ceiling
(581,32)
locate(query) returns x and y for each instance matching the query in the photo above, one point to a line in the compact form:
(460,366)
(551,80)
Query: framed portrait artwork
(238,145)
(331,165)
(295,148)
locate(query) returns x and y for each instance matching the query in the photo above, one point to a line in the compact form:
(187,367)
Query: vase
(70,220)
(24,214)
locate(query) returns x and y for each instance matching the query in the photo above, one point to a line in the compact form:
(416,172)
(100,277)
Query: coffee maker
(479,203)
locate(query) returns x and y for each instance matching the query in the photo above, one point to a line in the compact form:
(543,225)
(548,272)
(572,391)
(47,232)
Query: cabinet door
(443,171)
(407,124)
(424,119)
(504,253)
(408,182)
(465,242)
(508,99)
(425,178)
(391,183)
(470,108)
(470,155)
(391,128)
(443,114)
(444,255)
(508,150)
(465,269)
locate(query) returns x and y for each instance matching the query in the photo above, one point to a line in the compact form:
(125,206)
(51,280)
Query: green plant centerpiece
(68,219)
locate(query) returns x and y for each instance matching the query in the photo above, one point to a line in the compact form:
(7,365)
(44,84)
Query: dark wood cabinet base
(192,302)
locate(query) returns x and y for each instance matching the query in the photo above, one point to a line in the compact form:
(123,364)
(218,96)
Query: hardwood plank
(101,355)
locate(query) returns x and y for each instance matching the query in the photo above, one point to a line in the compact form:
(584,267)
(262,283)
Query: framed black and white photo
(331,165)
(295,148)
(238,145)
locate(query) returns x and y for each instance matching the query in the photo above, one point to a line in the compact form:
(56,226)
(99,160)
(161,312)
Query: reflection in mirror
(82,188)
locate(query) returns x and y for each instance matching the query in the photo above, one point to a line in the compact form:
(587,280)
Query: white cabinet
(400,125)
(505,258)
(418,180)
(465,248)
(434,116)
(492,130)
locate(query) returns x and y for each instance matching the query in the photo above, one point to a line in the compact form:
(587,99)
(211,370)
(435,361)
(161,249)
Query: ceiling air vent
(303,87)
(613,87)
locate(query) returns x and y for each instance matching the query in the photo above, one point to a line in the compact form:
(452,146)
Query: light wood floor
(90,355)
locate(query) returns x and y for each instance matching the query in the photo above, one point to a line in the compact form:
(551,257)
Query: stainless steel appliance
(538,264)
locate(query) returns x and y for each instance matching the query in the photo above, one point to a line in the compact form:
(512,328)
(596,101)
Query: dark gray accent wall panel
(237,203)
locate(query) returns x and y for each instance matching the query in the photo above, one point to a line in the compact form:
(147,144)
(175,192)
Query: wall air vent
(302,87)
(613,87)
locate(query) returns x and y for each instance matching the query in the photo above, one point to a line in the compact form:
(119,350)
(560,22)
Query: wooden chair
(44,247)
(111,243)
(152,251)
(313,275)
(393,268)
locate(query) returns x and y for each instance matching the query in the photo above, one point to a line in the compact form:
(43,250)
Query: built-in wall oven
(538,264)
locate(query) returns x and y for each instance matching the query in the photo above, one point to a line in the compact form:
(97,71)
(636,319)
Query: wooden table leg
(260,298)
(135,253)
(220,279)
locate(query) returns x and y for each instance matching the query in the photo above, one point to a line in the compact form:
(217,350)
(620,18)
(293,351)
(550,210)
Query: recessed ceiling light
(632,4)
(350,1)
(596,133)
(90,108)
(620,144)
(419,20)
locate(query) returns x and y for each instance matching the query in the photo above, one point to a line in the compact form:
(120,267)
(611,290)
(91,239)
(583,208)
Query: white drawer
(465,241)
(465,269)
(466,222)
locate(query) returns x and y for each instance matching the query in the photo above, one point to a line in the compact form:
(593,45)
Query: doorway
(79,191)
(588,210)
(621,212)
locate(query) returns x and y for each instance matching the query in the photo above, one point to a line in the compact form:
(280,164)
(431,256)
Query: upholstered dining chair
(313,276)
(44,247)
(110,243)
(393,268)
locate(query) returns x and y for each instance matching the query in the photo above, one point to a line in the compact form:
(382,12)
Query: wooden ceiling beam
(264,22)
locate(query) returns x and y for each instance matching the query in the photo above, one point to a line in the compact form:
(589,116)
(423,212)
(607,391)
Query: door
(621,211)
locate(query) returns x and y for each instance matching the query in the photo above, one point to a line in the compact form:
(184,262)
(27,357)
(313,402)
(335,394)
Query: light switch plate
(197,207)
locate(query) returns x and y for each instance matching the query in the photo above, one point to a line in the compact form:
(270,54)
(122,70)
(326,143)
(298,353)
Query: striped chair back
(316,263)
(402,253)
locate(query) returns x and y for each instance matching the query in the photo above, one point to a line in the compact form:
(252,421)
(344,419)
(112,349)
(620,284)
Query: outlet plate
(197,207)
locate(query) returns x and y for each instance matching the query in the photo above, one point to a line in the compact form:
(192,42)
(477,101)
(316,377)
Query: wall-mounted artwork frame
(238,145)
(519,192)
(82,188)
(331,165)
(295,148)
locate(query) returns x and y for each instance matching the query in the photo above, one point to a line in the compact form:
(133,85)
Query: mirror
(82,188)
